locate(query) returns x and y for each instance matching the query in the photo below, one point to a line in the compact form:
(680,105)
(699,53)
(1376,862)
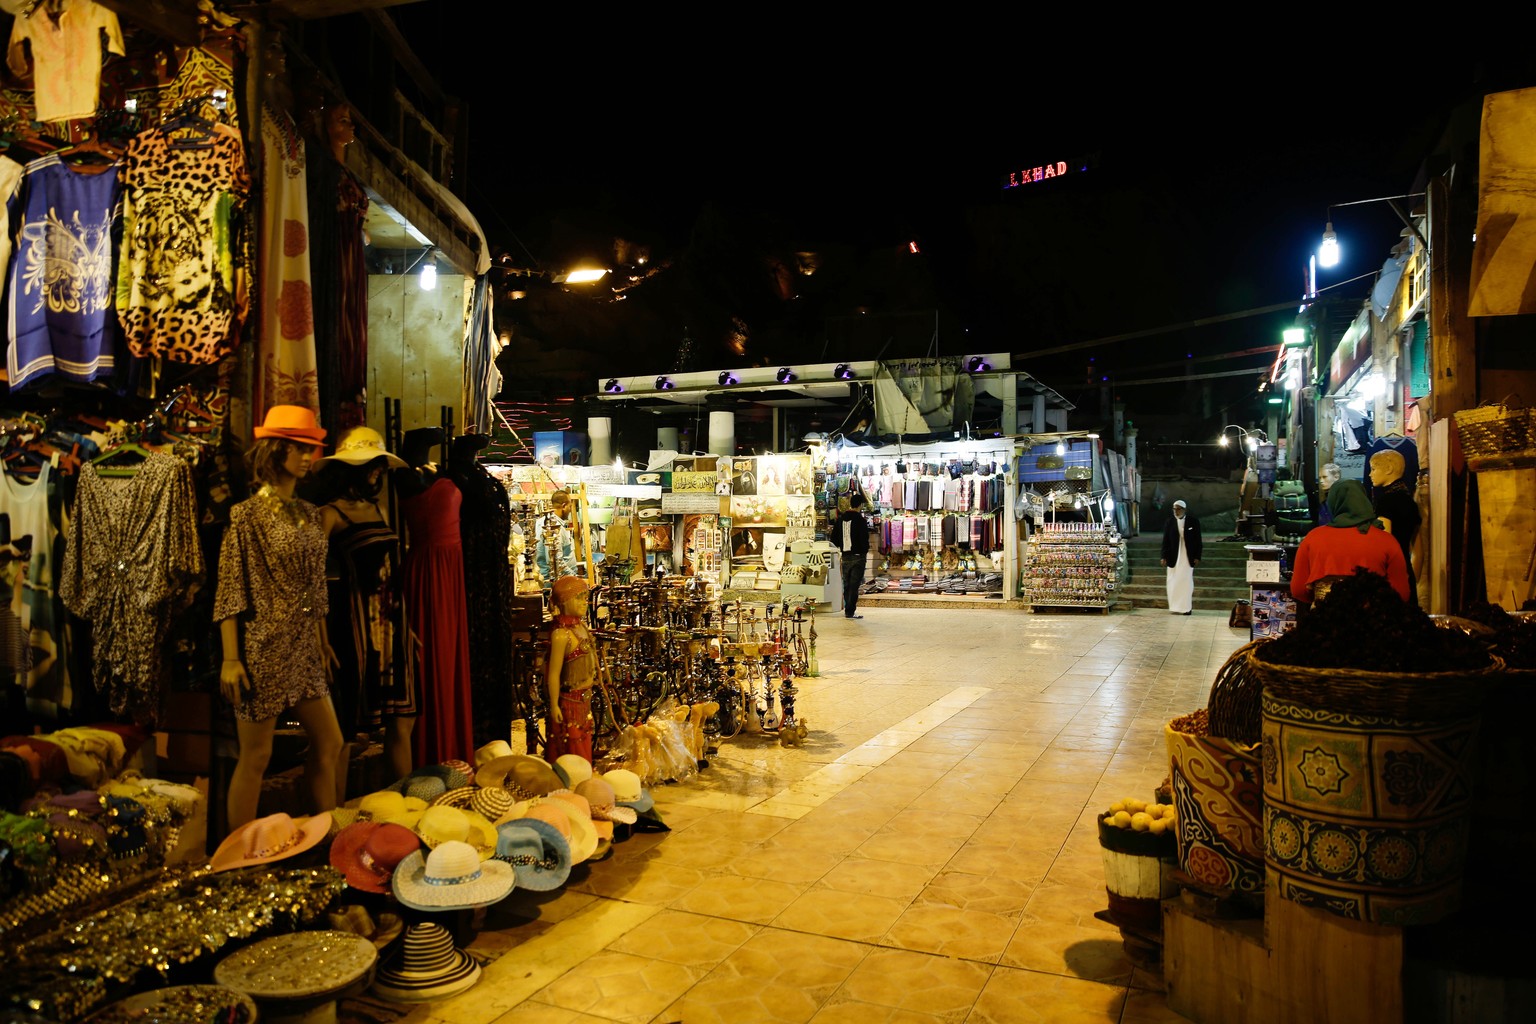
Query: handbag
(1242,614)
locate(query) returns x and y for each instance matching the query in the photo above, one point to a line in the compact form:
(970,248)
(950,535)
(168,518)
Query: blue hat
(540,856)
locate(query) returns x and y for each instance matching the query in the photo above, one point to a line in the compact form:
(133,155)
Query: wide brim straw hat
(451,877)
(270,839)
(492,801)
(291,423)
(583,832)
(425,966)
(526,776)
(540,856)
(628,791)
(440,823)
(572,769)
(368,853)
(362,445)
(599,794)
(491,751)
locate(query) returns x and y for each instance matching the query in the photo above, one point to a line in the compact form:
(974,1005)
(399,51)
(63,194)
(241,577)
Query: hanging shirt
(60,285)
(11,174)
(66,57)
(176,286)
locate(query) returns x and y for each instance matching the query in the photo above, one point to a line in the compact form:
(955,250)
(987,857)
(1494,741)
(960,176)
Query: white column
(722,433)
(1010,385)
(666,439)
(1130,446)
(600,435)
(1037,416)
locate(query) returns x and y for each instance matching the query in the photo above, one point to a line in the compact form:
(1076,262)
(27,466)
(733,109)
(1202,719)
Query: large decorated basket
(1368,786)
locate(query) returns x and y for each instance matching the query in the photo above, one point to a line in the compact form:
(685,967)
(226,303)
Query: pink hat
(265,840)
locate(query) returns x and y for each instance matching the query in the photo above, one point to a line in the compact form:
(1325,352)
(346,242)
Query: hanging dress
(485,530)
(435,607)
(367,627)
(288,374)
(29,539)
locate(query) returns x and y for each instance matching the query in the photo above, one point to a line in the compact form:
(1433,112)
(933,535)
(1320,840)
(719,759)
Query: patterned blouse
(131,564)
(272,579)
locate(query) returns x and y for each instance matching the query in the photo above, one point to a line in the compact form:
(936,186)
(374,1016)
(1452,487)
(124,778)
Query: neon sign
(1032,175)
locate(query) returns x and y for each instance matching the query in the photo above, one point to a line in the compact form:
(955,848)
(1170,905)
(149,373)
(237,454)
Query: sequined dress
(272,580)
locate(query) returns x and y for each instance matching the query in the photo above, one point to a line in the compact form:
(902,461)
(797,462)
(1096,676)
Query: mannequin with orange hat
(270,607)
(570,671)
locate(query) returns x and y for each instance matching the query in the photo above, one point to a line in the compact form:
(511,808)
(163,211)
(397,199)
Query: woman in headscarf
(1351,540)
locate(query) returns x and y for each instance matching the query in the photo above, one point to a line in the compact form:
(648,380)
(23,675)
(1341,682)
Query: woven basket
(1414,695)
(1234,700)
(1497,430)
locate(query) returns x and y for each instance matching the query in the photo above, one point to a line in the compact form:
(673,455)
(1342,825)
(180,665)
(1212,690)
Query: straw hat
(426,966)
(440,824)
(525,776)
(362,445)
(492,750)
(368,852)
(265,840)
(291,423)
(627,790)
(572,768)
(600,794)
(539,854)
(583,834)
(463,771)
(492,801)
(458,797)
(451,877)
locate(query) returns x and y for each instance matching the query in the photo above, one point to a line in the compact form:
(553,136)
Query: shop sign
(690,482)
(624,491)
(1351,352)
(1032,175)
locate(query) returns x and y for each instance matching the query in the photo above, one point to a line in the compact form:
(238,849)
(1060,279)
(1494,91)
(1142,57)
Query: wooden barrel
(1137,875)
(1220,806)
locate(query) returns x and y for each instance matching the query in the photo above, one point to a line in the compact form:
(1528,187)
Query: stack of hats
(426,966)
(452,877)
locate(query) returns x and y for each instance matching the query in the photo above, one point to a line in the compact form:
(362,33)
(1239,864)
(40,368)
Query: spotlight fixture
(1328,252)
(976,364)
(613,387)
(785,375)
(728,379)
(844,372)
(664,383)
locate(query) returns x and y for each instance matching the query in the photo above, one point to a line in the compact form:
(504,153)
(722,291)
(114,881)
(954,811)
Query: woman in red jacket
(1350,541)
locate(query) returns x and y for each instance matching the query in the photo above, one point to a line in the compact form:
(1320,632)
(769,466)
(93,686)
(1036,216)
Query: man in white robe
(1181,553)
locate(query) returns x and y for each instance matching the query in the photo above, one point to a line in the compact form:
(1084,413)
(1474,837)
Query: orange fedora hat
(292,423)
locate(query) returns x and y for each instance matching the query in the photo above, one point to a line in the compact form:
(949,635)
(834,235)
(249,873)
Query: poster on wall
(690,482)
(743,476)
(759,510)
(799,478)
(746,546)
(703,544)
(774,547)
(770,475)
(799,519)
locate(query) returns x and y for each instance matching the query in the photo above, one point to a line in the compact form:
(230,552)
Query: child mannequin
(570,672)
(270,606)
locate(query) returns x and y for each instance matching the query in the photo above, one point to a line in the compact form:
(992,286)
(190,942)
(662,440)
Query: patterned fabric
(367,626)
(485,530)
(177,295)
(66,56)
(131,564)
(482,380)
(272,579)
(31,529)
(1220,801)
(289,374)
(60,284)
(1365,816)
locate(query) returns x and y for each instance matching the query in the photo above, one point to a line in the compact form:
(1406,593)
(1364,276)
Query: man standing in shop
(851,535)
(1181,553)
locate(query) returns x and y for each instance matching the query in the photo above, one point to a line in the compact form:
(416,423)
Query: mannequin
(485,528)
(1396,508)
(570,672)
(435,601)
(1329,475)
(270,607)
(375,679)
(340,131)
(338,208)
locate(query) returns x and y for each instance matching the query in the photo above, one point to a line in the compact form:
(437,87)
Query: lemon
(1118,805)
(1158,826)
(1154,811)
(1134,806)
(1140,820)
(1122,819)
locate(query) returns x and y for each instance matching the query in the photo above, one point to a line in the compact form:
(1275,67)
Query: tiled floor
(929,855)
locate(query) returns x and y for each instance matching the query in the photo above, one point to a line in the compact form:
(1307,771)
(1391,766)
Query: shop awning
(1504,258)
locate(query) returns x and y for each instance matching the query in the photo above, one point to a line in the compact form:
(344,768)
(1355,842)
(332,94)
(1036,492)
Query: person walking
(1181,553)
(851,535)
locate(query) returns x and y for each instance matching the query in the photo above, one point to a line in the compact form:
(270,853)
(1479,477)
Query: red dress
(434,600)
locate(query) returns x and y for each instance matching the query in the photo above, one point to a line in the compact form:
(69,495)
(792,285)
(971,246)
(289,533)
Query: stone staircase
(1220,579)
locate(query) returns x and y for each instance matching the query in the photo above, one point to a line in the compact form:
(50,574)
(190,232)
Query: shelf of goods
(1072,565)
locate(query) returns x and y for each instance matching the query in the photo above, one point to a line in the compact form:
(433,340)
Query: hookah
(766,714)
(792,729)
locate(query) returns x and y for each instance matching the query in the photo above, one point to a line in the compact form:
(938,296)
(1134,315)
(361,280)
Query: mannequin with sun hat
(270,606)
(375,679)
(570,672)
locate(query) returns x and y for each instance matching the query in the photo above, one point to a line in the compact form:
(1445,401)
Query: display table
(1072,565)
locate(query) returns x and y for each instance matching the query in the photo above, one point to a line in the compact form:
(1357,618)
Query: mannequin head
(340,130)
(362,482)
(416,447)
(278,461)
(462,451)
(570,595)
(1329,475)
(1386,468)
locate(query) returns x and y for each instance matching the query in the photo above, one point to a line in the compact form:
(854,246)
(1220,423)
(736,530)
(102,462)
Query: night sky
(1208,183)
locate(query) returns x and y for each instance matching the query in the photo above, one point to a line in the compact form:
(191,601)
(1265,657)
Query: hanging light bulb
(1328,252)
(429,273)
(1061,448)
(1109,503)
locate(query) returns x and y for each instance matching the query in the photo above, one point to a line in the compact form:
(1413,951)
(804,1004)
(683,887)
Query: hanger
(93,152)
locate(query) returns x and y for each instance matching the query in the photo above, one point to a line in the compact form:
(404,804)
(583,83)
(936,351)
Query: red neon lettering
(1061,167)
(1039,174)
(1050,172)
